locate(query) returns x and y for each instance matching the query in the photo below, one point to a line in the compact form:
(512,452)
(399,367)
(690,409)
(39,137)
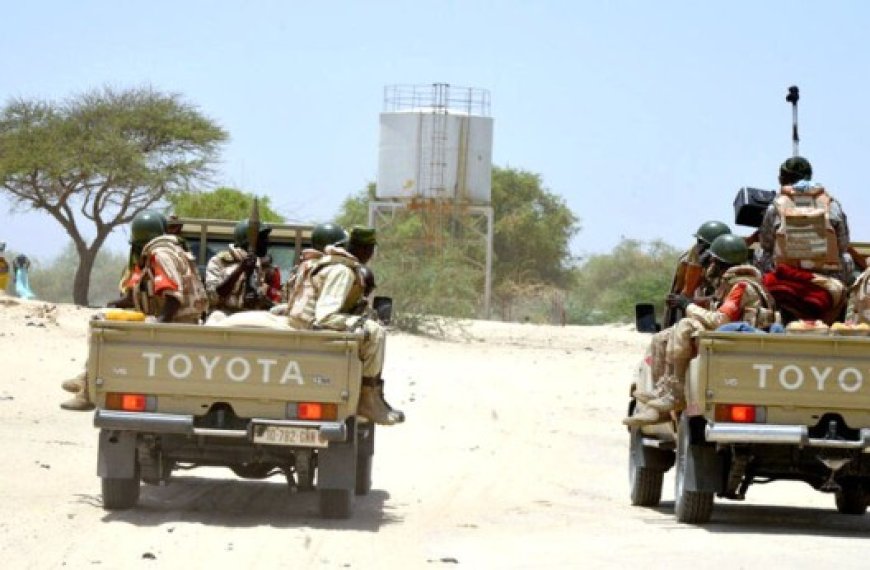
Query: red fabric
(793,290)
(274,292)
(162,281)
(731,306)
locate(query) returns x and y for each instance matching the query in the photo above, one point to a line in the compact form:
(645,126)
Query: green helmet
(796,168)
(730,249)
(327,234)
(147,225)
(240,233)
(708,231)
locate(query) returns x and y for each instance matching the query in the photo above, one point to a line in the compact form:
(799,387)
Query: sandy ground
(512,457)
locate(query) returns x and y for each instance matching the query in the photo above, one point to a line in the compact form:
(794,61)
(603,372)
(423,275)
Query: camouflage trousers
(673,344)
(372,348)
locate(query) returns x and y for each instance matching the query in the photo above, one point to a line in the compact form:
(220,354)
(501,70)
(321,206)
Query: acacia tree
(100,158)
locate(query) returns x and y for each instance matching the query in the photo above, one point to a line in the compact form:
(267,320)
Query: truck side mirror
(645,318)
(383,307)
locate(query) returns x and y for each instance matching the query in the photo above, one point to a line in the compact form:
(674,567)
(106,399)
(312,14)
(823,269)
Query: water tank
(436,143)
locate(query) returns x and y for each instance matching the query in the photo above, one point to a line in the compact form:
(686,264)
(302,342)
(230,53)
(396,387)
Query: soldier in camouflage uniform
(228,273)
(740,296)
(804,238)
(322,236)
(330,296)
(163,284)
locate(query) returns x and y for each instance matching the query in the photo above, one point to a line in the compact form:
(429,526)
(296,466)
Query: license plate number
(288,435)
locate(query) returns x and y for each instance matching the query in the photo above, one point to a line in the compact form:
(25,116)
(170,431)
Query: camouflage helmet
(796,168)
(327,234)
(147,225)
(708,231)
(240,232)
(730,249)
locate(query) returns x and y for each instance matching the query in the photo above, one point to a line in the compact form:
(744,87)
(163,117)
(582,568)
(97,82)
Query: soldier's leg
(657,355)
(372,404)
(679,353)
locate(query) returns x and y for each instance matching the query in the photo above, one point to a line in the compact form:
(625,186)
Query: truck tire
(851,498)
(119,494)
(644,483)
(335,503)
(693,507)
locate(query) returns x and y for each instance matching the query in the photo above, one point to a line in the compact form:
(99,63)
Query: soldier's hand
(680,301)
(249,264)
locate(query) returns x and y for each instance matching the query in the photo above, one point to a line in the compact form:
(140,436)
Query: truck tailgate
(804,374)
(188,367)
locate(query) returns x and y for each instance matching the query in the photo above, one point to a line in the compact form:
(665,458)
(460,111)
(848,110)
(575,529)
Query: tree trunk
(82,279)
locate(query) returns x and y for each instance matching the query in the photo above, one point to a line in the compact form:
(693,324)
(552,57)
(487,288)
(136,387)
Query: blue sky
(645,116)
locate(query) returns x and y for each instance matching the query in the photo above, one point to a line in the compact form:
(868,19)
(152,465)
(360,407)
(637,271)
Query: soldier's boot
(673,398)
(374,407)
(644,396)
(75,384)
(644,416)
(80,402)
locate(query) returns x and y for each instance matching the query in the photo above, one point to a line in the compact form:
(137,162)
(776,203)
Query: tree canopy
(100,158)
(221,204)
(532,230)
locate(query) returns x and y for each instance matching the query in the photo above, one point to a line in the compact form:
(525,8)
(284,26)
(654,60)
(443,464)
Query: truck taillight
(130,402)
(311,411)
(740,413)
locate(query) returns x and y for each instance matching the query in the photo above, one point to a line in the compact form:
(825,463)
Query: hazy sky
(645,116)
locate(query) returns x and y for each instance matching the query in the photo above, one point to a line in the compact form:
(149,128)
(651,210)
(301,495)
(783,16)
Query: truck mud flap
(336,464)
(705,469)
(116,457)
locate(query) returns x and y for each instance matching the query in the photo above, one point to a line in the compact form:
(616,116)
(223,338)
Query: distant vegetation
(221,204)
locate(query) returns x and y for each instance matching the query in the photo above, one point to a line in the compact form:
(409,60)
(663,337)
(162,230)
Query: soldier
(163,284)
(322,235)
(740,296)
(804,240)
(689,277)
(235,279)
(332,291)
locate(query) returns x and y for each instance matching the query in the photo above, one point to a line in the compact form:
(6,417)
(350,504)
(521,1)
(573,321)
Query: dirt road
(513,457)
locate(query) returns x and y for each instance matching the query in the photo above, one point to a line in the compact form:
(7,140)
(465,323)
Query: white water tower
(435,154)
(435,143)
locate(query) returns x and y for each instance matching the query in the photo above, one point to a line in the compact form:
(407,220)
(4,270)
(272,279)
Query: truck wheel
(645,483)
(335,503)
(851,499)
(694,507)
(120,494)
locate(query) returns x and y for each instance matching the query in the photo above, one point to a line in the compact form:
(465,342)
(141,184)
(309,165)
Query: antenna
(792,97)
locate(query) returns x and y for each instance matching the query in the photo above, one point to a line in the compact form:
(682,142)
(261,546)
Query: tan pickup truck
(761,407)
(256,400)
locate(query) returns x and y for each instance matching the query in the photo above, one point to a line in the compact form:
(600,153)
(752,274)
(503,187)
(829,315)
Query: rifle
(253,300)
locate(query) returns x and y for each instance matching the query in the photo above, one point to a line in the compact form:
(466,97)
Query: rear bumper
(151,422)
(779,434)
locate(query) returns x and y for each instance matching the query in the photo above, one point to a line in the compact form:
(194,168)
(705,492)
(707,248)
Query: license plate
(288,435)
